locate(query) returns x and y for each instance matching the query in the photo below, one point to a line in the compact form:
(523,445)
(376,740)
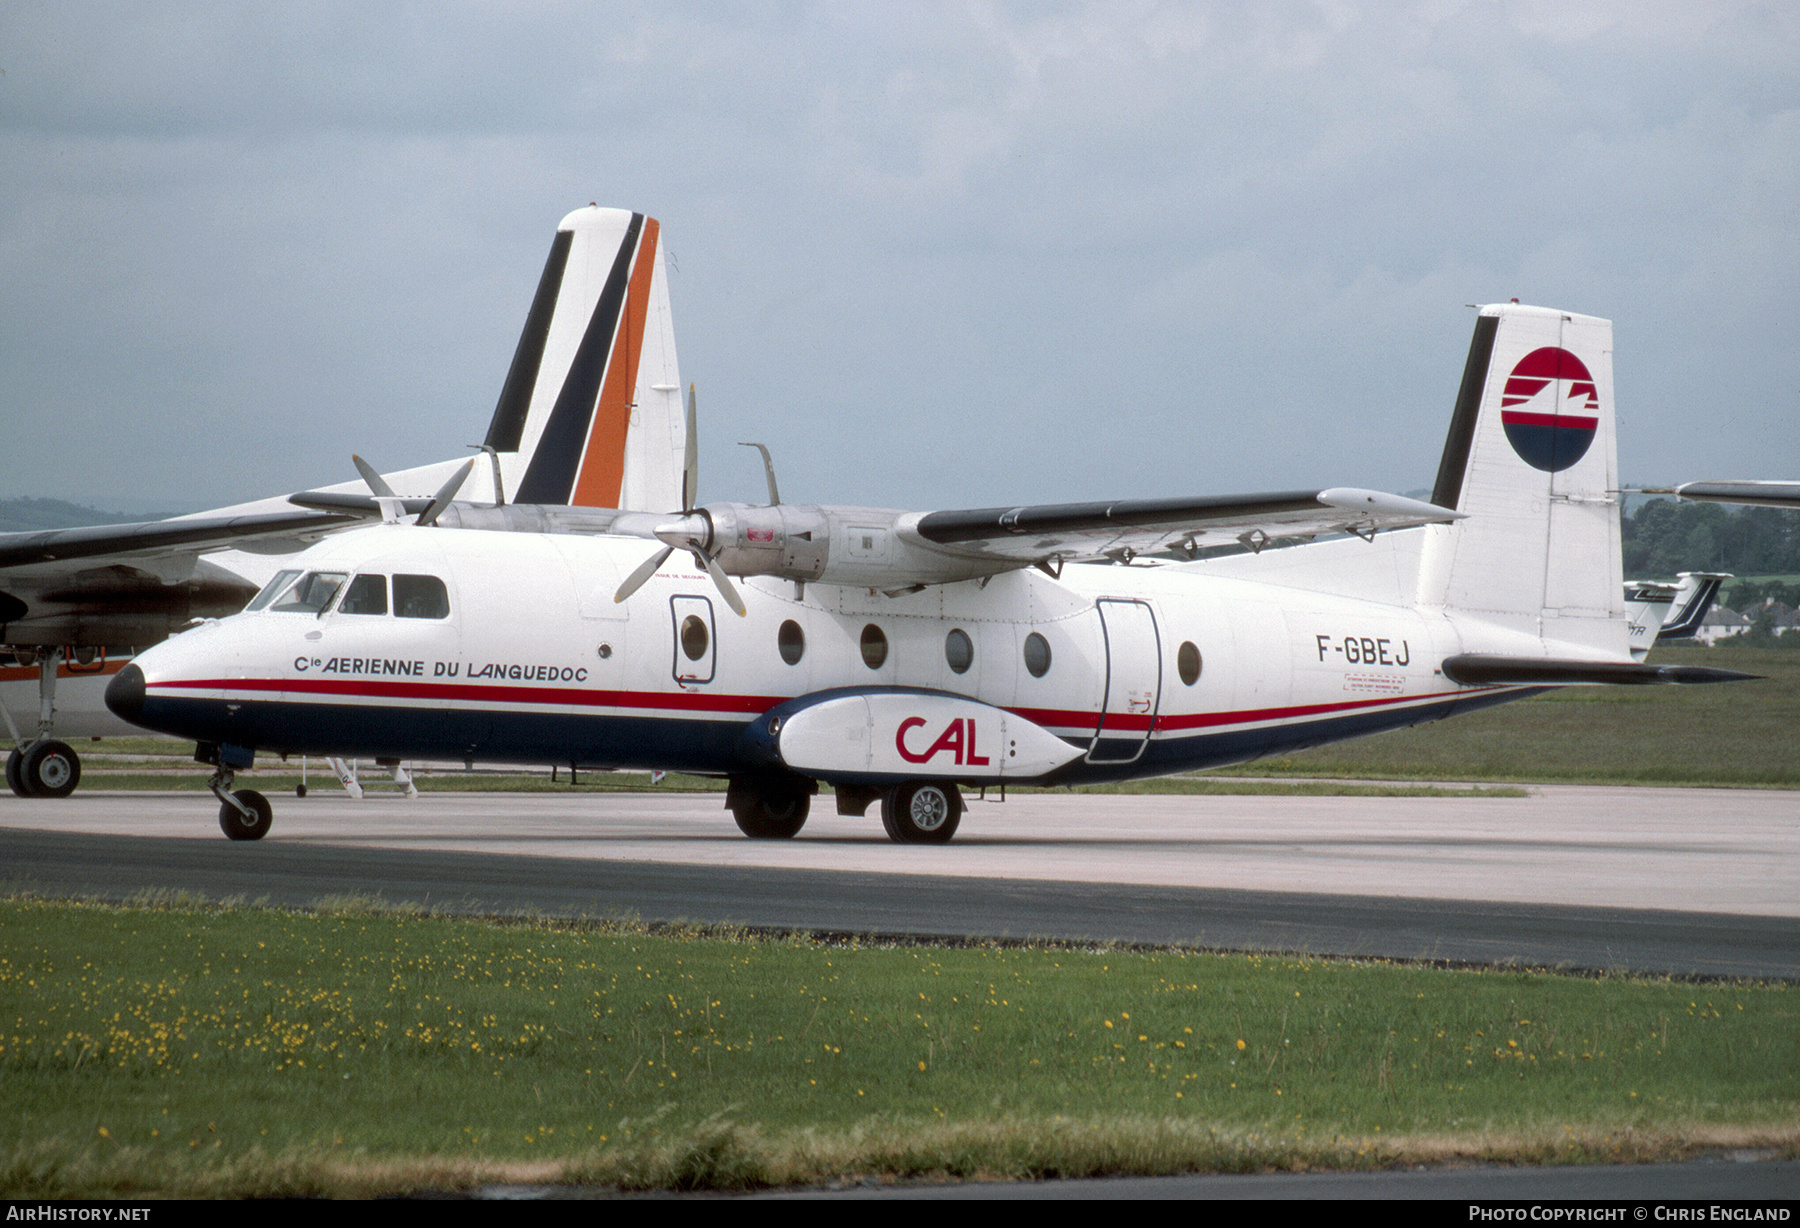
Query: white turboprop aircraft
(589,415)
(900,656)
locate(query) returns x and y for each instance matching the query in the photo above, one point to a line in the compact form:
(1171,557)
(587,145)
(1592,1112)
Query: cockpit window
(420,597)
(311,594)
(367,595)
(271,590)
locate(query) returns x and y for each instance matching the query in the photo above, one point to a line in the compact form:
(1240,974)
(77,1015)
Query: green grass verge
(189,1051)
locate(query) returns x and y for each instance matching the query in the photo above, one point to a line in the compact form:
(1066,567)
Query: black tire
(772,813)
(236,826)
(922,812)
(299,790)
(50,769)
(15,779)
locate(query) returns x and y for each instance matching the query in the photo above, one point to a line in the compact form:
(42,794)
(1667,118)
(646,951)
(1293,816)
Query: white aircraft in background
(1660,613)
(902,656)
(589,415)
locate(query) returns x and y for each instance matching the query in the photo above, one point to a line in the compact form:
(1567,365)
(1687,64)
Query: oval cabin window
(959,651)
(791,642)
(693,637)
(1187,662)
(874,647)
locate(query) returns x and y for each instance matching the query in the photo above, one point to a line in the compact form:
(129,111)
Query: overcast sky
(935,255)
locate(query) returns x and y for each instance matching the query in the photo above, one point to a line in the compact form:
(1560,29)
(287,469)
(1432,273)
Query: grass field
(181,1050)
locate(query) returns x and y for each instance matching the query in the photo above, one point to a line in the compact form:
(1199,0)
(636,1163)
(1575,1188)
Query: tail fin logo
(1550,408)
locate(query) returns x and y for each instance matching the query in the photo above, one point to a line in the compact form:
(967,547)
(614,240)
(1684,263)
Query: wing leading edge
(1074,531)
(282,532)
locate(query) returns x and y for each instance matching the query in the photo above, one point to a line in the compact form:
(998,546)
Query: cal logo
(958,738)
(1549,409)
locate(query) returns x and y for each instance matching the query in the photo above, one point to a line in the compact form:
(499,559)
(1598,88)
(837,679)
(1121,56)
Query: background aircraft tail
(1531,459)
(590,414)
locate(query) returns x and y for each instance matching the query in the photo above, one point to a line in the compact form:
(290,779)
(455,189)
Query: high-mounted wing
(278,532)
(1130,527)
(136,583)
(1760,494)
(891,550)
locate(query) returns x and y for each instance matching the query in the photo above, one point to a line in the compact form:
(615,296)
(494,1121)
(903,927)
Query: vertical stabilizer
(590,414)
(1531,460)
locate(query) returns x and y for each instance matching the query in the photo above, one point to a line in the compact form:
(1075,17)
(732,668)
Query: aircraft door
(696,646)
(1133,681)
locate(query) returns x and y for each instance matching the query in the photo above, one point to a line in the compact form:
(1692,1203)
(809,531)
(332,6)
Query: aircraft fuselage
(1143,670)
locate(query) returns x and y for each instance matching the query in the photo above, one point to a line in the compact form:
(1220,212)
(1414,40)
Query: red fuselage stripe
(753,705)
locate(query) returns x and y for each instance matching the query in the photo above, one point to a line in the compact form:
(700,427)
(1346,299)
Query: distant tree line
(1665,536)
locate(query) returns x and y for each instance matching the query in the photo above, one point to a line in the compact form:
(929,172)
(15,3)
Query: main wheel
(774,813)
(237,826)
(15,778)
(50,769)
(925,812)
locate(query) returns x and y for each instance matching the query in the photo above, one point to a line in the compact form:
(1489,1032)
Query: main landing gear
(922,812)
(912,812)
(770,808)
(42,767)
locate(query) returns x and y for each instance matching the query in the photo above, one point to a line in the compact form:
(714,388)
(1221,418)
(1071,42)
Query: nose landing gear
(244,814)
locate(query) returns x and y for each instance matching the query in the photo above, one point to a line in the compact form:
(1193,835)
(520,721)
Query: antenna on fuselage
(768,471)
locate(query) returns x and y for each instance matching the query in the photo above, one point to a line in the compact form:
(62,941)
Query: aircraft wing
(49,549)
(1761,494)
(1127,528)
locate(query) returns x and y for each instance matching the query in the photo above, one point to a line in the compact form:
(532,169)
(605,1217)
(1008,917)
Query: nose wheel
(249,819)
(244,814)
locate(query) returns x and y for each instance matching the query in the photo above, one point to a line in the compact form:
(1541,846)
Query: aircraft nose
(125,693)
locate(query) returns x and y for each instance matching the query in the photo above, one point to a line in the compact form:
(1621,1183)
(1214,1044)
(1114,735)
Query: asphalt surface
(1650,881)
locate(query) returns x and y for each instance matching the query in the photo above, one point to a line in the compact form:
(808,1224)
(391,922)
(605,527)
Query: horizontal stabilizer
(1473,669)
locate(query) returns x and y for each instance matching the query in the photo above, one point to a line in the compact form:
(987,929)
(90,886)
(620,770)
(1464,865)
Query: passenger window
(1187,662)
(874,647)
(790,641)
(959,651)
(420,597)
(367,595)
(311,594)
(1037,655)
(693,637)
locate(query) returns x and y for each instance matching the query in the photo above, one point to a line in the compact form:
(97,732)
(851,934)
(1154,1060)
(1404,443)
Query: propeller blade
(635,580)
(445,494)
(377,485)
(690,469)
(724,585)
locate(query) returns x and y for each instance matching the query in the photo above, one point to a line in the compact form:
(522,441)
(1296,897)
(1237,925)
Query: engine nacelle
(831,545)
